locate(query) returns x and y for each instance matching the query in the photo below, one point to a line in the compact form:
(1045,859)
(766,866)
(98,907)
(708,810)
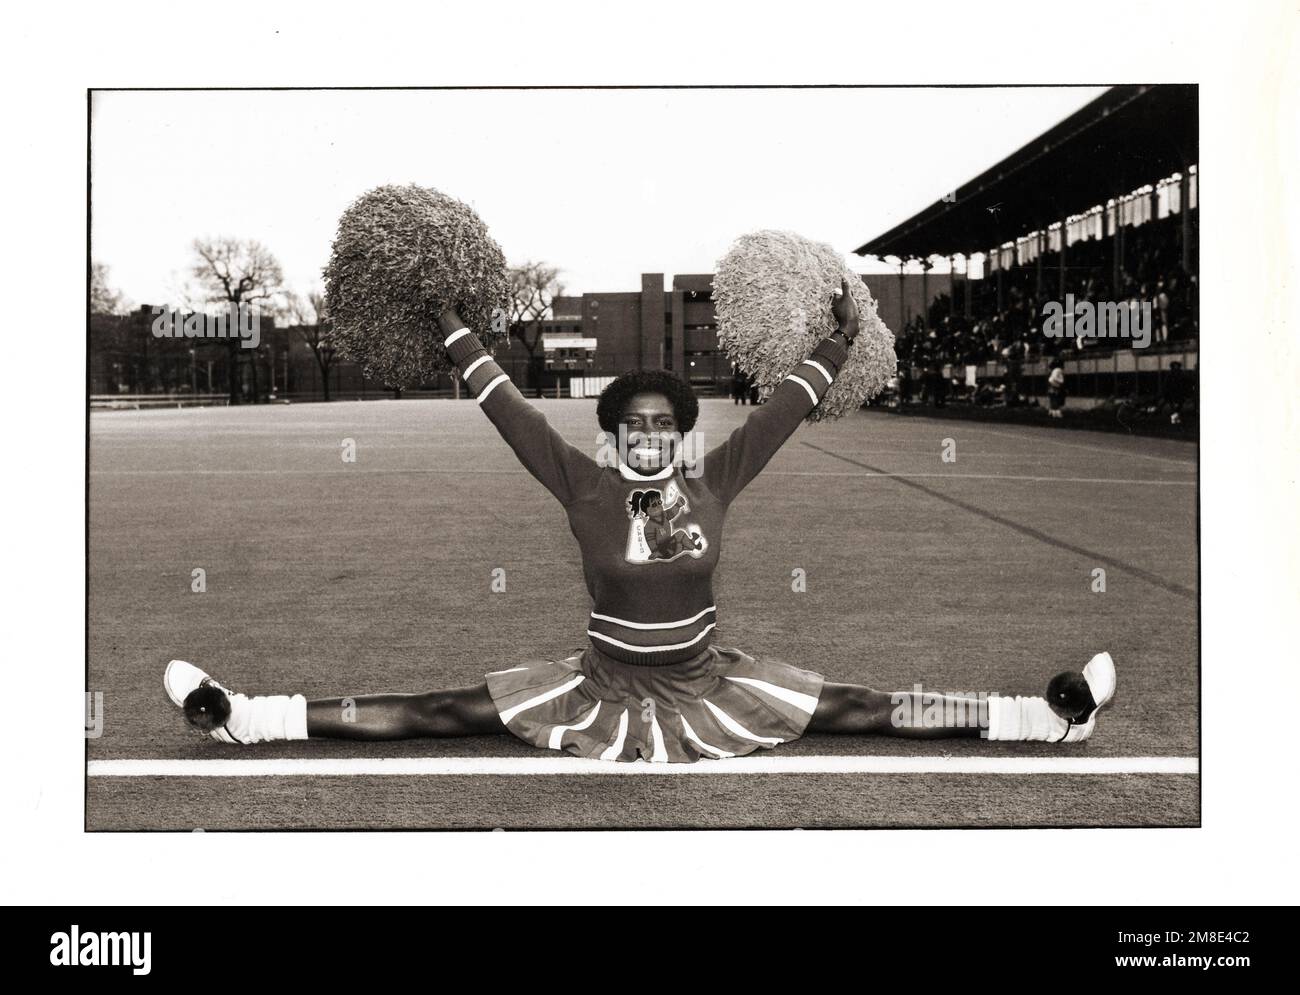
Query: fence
(134,402)
(1124,373)
(131,369)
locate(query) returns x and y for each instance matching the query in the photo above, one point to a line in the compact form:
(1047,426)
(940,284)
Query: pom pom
(207,708)
(773,292)
(1070,697)
(402,256)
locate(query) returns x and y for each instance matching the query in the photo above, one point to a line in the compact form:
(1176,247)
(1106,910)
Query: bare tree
(237,272)
(104,299)
(313,325)
(533,289)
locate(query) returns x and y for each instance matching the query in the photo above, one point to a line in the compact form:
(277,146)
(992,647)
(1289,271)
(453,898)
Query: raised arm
(732,465)
(561,468)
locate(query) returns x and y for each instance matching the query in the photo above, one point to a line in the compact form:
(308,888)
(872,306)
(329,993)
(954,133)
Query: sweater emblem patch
(656,532)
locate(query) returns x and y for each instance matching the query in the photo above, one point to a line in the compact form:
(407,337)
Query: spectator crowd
(1151,273)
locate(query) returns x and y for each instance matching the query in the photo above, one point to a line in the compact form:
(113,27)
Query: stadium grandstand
(1101,208)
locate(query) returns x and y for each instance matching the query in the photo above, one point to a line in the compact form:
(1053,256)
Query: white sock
(1024,719)
(267,717)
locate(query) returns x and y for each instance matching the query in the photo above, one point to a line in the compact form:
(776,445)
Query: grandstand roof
(1127,137)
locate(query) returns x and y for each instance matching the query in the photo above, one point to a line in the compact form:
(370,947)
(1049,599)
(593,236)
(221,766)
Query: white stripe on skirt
(557,734)
(803,702)
(615,748)
(736,728)
(690,734)
(564,688)
(660,752)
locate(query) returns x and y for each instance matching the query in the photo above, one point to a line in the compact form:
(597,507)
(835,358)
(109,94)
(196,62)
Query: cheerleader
(650,684)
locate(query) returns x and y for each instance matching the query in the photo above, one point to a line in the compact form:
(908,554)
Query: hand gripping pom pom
(207,708)
(1070,697)
(772,294)
(402,256)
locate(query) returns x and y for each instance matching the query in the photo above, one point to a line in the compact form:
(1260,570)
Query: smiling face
(650,425)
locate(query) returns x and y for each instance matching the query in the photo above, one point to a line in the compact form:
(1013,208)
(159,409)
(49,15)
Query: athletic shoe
(1085,698)
(181,679)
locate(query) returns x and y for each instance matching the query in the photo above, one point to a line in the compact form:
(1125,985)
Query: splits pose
(650,685)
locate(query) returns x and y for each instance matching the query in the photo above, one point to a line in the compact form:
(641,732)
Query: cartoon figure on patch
(653,533)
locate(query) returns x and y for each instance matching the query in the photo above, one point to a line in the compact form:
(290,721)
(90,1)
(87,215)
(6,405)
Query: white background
(1243,55)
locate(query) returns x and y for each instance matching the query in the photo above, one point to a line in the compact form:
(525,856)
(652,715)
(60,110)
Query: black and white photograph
(570,451)
(853,504)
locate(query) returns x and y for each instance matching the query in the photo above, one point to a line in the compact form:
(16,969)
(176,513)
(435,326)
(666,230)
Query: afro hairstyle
(614,398)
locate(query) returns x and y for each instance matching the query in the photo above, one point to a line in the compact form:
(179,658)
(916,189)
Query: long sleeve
(732,465)
(562,469)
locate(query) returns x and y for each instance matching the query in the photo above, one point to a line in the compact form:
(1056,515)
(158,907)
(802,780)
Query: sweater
(649,543)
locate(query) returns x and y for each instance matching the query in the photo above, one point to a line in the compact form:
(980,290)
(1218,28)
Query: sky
(605,184)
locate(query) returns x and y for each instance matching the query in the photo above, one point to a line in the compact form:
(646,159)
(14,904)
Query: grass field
(330,578)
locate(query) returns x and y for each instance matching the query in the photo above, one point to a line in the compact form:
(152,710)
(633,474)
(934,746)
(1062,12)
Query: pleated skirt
(722,703)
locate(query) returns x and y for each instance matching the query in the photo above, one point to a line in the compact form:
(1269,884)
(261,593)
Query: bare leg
(440,714)
(858,710)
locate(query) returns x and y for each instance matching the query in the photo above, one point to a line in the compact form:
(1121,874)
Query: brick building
(592,335)
(674,327)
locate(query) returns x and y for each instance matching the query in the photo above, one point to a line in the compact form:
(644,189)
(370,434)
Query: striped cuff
(831,351)
(816,373)
(461,345)
(477,368)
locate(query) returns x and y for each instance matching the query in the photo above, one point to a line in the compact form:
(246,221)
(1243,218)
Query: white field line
(983,476)
(543,766)
(1118,451)
(770,473)
(272,472)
